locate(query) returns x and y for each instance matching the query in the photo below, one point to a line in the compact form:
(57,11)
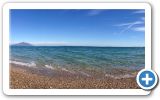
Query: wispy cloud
(139,12)
(142,29)
(130,26)
(135,25)
(95,12)
(131,23)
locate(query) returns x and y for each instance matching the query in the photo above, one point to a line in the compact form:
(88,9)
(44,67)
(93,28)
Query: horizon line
(71,46)
(65,44)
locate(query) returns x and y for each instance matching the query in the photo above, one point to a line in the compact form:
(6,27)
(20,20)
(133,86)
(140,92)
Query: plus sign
(147,79)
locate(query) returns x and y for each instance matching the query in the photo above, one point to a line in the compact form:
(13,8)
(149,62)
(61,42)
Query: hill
(23,44)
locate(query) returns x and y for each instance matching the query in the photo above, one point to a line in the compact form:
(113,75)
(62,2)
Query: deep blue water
(78,57)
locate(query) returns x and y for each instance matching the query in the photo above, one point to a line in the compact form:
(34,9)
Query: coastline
(22,77)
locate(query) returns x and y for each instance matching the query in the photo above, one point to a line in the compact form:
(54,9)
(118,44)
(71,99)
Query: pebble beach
(22,77)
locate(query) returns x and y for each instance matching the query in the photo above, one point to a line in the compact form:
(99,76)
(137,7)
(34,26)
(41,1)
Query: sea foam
(31,64)
(85,74)
(120,76)
(50,67)
(64,69)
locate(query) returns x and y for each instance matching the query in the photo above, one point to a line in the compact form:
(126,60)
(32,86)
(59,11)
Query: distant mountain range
(22,44)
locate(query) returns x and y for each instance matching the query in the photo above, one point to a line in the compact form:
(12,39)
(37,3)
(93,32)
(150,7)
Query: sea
(79,58)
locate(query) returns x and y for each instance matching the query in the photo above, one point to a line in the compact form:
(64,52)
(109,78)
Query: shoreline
(22,77)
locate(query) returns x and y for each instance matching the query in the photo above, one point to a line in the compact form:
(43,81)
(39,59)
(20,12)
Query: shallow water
(77,58)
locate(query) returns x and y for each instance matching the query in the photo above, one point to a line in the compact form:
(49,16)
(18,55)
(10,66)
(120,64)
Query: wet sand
(22,77)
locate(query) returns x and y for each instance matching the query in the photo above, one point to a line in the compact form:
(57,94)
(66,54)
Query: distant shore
(22,77)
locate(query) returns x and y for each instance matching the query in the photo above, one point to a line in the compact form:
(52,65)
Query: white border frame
(6,31)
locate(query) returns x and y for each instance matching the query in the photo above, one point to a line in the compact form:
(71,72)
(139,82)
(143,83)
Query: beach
(22,77)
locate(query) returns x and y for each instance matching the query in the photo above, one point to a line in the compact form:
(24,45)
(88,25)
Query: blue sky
(78,27)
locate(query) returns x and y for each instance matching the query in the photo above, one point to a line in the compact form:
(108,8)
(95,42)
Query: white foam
(83,73)
(127,76)
(50,67)
(32,64)
(120,76)
(64,69)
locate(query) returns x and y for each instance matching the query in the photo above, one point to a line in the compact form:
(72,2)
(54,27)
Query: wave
(31,64)
(85,74)
(120,76)
(67,70)
(64,69)
(50,67)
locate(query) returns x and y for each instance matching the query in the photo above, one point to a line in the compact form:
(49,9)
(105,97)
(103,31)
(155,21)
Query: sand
(22,77)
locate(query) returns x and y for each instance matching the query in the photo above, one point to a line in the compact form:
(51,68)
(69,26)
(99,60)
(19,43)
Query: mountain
(23,44)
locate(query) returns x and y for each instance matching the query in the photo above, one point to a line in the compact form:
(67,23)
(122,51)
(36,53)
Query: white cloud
(140,29)
(131,23)
(95,12)
(139,11)
(129,26)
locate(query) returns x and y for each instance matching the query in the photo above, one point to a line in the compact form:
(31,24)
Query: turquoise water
(78,57)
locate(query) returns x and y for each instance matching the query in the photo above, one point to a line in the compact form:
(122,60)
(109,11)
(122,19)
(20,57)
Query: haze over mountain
(23,44)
